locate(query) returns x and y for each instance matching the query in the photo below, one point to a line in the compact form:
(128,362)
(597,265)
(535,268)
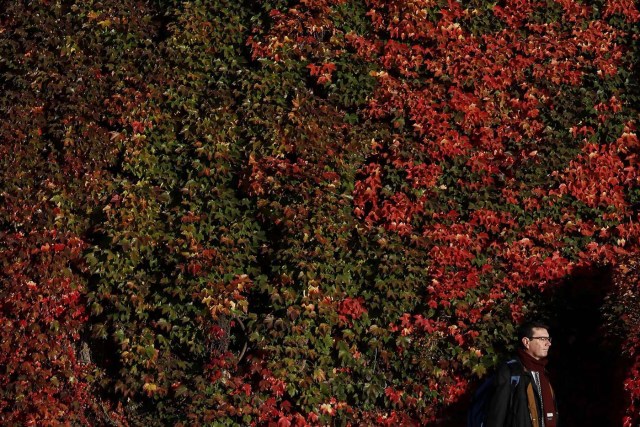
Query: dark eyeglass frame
(544,339)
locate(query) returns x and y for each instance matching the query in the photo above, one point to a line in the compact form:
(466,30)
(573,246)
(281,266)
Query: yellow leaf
(150,388)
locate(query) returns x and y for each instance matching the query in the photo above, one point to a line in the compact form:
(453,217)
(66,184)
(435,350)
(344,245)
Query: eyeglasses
(543,339)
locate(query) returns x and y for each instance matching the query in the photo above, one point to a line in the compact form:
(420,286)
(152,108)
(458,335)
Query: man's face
(538,344)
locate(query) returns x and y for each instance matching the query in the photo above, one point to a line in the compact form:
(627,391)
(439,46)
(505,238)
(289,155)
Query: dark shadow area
(456,415)
(586,364)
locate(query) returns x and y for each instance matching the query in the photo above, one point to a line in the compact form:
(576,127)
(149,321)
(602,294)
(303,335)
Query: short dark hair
(526,329)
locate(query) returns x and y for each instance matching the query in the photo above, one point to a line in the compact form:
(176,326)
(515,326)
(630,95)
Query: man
(523,396)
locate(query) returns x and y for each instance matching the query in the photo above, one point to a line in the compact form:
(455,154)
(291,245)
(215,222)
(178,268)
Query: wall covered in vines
(315,212)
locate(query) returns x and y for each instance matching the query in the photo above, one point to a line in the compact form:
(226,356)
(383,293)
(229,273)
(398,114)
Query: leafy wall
(298,213)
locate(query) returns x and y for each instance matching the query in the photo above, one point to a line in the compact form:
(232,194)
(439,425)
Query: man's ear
(525,342)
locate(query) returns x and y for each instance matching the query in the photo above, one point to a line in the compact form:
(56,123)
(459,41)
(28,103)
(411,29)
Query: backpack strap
(515,375)
(515,379)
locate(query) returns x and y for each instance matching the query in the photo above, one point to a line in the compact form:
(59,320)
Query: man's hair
(526,329)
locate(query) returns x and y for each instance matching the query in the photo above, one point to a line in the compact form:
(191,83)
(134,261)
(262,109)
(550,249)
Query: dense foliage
(302,212)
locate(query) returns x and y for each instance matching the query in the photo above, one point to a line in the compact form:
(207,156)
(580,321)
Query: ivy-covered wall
(316,212)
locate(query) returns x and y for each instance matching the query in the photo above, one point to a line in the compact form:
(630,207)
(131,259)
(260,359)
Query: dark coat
(507,409)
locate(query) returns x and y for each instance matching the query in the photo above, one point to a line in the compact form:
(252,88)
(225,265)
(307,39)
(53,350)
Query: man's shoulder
(511,366)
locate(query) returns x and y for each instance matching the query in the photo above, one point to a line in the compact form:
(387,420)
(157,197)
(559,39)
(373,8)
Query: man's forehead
(539,330)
